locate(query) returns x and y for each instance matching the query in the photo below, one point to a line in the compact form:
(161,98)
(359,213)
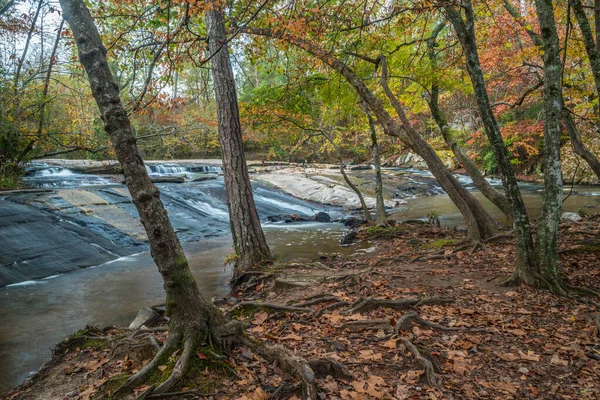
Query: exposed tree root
(267,307)
(330,307)
(180,366)
(367,304)
(323,299)
(370,324)
(408,319)
(289,363)
(430,375)
(139,378)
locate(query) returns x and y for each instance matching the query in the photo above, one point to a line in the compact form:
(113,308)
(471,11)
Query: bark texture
(248,238)
(479,223)
(465,30)
(547,232)
(189,311)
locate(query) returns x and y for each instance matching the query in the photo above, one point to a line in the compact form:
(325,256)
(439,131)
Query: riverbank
(481,339)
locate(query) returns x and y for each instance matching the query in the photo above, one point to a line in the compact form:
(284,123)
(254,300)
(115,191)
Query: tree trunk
(491,193)
(363,204)
(547,232)
(380,214)
(248,238)
(578,146)
(188,310)
(526,260)
(479,223)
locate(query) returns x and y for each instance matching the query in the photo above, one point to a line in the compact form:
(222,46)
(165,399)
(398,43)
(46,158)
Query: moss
(438,244)
(115,383)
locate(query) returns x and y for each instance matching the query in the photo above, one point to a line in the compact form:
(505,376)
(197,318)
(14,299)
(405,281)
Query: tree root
(139,378)
(268,307)
(289,363)
(367,304)
(330,307)
(314,301)
(180,366)
(370,324)
(408,319)
(430,375)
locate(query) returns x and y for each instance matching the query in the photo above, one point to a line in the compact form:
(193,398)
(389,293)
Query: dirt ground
(414,317)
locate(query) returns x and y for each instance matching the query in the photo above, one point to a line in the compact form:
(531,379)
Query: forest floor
(440,302)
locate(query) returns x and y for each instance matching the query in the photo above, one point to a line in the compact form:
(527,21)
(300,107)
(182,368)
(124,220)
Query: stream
(51,290)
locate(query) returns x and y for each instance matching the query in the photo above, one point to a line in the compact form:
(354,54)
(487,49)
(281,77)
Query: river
(37,313)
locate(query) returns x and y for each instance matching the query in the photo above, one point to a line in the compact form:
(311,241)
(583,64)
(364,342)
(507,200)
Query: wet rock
(167,179)
(146,316)
(361,167)
(287,218)
(204,178)
(322,217)
(348,238)
(353,222)
(571,216)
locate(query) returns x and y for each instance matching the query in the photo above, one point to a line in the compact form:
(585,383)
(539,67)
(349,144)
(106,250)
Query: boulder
(146,316)
(348,238)
(571,216)
(322,217)
(360,167)
(353,222)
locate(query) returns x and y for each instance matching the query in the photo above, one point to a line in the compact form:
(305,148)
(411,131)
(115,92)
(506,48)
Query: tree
(193,318)
(249,240)
(465,30)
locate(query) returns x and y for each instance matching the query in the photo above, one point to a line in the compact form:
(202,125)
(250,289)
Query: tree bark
(479,223)
(547,232)
(465,29)
(248,238)
(190,313)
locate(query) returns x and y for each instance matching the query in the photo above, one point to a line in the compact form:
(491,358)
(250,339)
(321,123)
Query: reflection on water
(37,315)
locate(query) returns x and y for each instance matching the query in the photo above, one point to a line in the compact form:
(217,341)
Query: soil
(483,340)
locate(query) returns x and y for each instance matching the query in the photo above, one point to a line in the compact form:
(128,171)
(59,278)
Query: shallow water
(38,314)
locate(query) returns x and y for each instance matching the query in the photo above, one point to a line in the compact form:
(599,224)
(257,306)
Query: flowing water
(38,313)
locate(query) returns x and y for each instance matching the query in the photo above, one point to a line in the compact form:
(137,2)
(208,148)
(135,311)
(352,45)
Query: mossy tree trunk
(465,30)
(249,239)
(547,232)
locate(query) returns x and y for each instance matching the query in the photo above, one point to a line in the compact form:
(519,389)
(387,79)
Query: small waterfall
(173,169)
